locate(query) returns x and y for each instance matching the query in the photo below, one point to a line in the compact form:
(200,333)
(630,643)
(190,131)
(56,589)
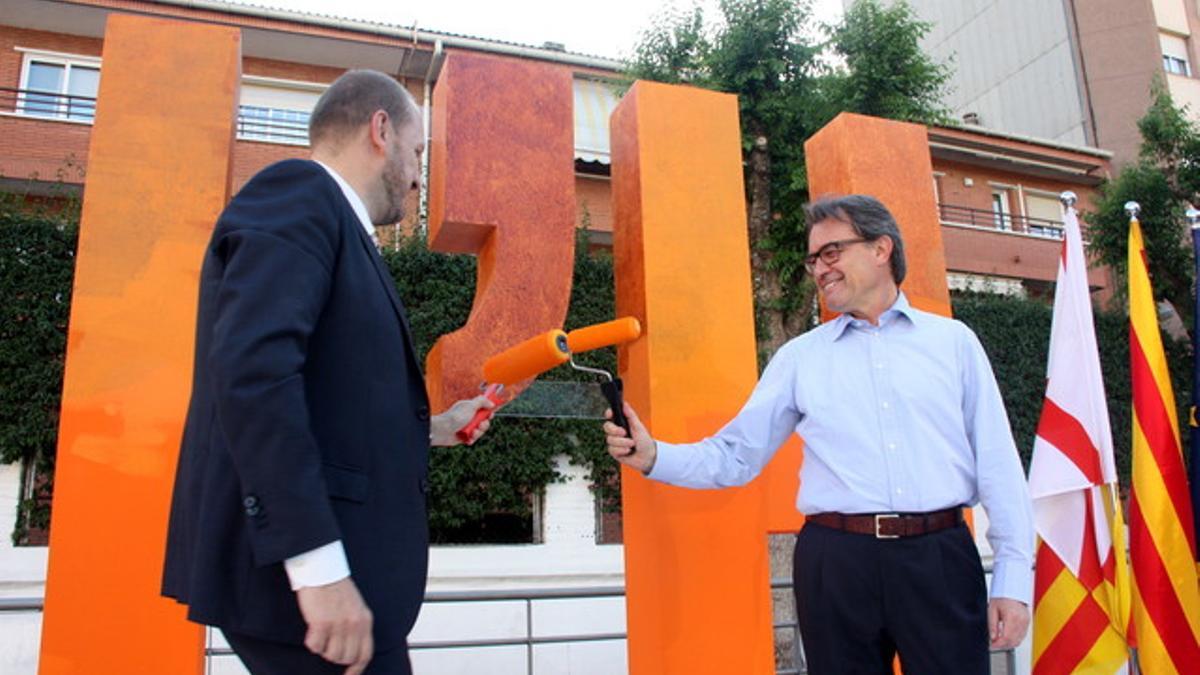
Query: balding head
(347,106)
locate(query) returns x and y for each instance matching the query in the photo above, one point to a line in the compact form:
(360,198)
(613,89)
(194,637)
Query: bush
(1016,335)
(37,266)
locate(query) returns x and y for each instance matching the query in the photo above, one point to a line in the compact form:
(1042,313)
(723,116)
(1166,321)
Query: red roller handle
(519,362)
(492,392)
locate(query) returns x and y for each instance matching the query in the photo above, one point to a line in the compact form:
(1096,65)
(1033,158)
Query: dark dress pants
(265,657)
(860,600)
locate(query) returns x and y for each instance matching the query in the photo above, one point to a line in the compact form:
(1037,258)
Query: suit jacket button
(253,511)
(424,485)
(423,413)
(250,501)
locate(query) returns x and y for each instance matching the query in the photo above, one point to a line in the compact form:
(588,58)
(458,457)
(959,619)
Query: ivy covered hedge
(37,265)
(1016,335)
(481,493)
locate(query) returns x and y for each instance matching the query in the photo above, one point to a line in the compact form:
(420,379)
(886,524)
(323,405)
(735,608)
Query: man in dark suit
(298,524)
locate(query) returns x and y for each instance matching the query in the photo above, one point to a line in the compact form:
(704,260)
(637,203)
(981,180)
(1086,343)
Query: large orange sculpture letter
(696,574)
(158,176)
(502,185)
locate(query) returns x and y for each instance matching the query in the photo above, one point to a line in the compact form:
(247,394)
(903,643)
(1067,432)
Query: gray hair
(350,102)
(870,220)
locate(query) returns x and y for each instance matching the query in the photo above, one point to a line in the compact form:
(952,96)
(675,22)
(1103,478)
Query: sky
(608,28)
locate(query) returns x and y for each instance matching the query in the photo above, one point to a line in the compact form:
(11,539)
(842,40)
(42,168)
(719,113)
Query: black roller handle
(612,391)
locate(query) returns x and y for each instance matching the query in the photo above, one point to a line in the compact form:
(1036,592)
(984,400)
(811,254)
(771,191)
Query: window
(276,111)
(59,86)
(1043,212)
(1000,211)
(1175,54)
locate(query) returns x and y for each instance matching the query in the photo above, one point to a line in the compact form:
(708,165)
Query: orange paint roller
(519,362)
(604,334)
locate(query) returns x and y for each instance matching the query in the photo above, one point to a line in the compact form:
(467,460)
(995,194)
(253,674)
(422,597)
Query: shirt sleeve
(738,452)
(319,567)
(1000,479)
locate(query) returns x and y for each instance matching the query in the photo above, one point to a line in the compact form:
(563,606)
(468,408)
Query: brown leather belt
(889,525)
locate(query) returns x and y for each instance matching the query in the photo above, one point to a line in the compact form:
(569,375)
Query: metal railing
(529,640)
(48,104)
(1004,222)
(256,124)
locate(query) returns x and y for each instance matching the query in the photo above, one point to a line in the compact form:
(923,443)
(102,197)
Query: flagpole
(1133,209)
(1193,220)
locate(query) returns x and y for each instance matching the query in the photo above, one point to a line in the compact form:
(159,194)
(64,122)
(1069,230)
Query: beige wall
(1172,15)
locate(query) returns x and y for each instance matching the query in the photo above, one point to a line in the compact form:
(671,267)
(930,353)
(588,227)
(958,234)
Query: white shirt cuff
(1012,579)
(319,567)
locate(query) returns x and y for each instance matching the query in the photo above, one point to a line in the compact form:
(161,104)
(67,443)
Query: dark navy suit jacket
(308,419)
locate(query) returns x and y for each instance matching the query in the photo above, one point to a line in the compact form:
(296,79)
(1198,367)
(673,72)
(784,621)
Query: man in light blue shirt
(903,425)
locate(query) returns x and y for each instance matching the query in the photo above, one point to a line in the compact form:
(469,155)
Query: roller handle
(612,391)
(492,392)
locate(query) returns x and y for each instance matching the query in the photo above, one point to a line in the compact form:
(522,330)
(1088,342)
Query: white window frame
(1175,57)
(276,83)
(1050,232)
(1003,220)
(68,61)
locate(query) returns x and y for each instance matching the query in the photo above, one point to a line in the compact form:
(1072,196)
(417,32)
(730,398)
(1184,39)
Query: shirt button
(899,491)
(879,366)
(891,446)
(885,405)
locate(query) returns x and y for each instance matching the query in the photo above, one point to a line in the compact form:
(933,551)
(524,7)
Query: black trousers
(860,600)
(264,657)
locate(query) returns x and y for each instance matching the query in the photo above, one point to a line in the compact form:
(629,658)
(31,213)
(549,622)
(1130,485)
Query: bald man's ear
(379,130)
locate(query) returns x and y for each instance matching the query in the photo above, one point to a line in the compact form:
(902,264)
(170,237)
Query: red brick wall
(954,191)
(594,195)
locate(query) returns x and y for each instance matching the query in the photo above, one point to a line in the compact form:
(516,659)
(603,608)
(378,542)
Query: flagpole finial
(1193,217)
(1068,199)
(1133,209)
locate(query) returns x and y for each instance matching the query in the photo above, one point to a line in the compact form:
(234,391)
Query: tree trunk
(775,327)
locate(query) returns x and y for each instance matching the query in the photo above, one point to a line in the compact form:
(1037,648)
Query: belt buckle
(879,517)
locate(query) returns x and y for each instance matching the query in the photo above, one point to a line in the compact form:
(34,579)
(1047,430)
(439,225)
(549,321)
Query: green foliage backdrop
(37,265)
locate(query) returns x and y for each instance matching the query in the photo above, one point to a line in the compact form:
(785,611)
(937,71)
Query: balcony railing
(1003,222)
(48,105)
(273,125)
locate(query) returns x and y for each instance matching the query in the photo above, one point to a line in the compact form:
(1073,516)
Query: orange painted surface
(697,579)
(158,176)
(501,186)
(889,160)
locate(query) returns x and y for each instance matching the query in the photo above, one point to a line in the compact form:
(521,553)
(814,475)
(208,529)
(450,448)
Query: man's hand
(443,428)
(638,452)
(339,624)
(1008,620)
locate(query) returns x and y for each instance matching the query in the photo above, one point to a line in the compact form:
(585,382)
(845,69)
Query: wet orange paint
(158,176)
(696,573)
(502,187)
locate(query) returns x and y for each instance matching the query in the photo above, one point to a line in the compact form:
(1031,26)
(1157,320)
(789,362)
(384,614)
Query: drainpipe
(427,94)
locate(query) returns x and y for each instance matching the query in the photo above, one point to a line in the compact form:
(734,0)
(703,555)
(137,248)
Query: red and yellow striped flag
(1166,594)
(1081,581)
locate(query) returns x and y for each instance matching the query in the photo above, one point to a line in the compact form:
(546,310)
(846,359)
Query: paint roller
(519,362)
(604,334)
(543,352)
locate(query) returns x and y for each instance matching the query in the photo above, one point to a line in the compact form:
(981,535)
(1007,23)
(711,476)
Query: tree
(787,91)
(1164,181)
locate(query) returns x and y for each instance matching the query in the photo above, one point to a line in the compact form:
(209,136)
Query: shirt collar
(356,202)
(899,308)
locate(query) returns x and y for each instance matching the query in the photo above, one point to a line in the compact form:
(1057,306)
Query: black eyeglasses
(829,253)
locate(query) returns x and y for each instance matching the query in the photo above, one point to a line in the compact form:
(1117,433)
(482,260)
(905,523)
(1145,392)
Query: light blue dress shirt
(905,416)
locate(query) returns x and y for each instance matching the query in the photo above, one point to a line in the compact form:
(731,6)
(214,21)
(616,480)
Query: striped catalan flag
(1081,581)
(1166,593)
